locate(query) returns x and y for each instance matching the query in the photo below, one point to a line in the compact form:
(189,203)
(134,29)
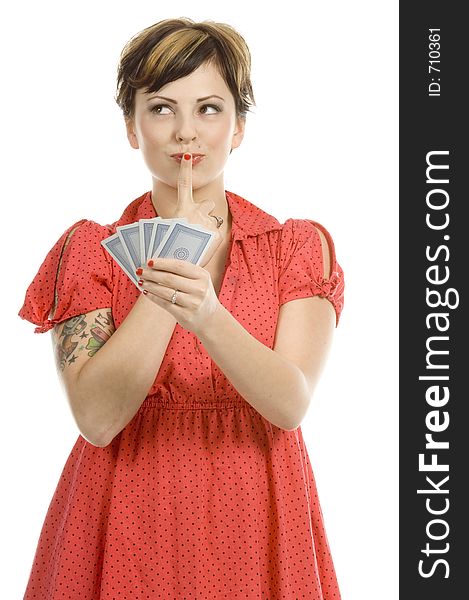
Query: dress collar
(247,219)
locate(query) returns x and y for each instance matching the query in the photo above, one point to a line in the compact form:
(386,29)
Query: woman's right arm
(106,373)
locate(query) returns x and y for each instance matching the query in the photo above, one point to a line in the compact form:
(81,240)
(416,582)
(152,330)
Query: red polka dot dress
(199,496)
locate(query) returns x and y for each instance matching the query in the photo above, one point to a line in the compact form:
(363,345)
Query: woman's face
(182,121)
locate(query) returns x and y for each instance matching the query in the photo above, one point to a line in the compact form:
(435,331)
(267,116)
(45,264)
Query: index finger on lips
(185,181)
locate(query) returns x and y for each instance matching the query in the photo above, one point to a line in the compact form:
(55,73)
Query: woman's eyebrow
(198,99)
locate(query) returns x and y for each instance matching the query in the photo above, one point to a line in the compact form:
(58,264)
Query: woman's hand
(196,301)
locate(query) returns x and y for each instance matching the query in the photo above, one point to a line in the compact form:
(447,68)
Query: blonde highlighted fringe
(174,48)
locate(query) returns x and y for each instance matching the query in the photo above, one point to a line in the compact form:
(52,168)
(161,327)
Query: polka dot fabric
(302,272)
(81,284)
(198,496)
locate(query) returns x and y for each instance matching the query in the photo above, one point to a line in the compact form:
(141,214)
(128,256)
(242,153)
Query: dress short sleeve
(301,272)
(74,278)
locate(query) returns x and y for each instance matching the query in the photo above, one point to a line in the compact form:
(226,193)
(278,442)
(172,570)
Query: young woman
(190,476)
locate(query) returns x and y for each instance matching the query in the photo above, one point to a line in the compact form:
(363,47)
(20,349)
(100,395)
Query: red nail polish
(140,282)
(150,263)
(187,156)
(144,291)
(139,271)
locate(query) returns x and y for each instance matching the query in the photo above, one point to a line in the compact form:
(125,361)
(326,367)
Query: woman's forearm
(112,385)
(274,386)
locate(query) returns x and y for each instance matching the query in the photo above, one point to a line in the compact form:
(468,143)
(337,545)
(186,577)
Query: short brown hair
(174,48)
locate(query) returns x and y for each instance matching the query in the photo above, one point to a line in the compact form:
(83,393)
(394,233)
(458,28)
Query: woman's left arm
(277,382)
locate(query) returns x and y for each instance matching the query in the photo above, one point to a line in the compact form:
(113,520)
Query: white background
(321,144)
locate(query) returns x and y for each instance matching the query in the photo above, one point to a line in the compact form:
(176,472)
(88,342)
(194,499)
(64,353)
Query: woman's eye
(214,106)
(156,108)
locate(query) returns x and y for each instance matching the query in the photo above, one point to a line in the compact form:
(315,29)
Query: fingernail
(144,291)
(187,156)
(150,263)
(140,282)
(139,271)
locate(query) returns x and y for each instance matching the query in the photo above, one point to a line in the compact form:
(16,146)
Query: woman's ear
(131,135)
(238,134)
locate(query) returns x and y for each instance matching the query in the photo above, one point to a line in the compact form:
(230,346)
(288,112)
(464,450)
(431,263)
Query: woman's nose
(186,129)
(184,139)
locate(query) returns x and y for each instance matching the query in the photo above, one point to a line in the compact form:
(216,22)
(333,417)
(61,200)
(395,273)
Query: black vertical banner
(434,323)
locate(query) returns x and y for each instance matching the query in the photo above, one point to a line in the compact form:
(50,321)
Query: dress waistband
(156,401)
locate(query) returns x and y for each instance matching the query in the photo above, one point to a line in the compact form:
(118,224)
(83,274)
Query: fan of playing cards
(133,245)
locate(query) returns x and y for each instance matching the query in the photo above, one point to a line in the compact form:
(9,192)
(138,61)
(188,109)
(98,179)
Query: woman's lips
(195,159)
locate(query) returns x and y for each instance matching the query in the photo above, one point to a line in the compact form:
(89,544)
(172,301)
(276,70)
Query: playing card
(130,238)
(149,236)
(185,241)
(113,245)
(159,232)
(146,229)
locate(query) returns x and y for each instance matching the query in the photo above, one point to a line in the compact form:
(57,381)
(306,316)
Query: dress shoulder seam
(66,242)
